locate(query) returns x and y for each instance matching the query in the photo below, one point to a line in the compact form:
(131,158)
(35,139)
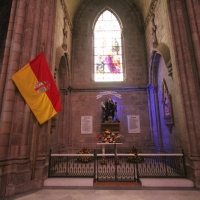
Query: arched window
(107,49)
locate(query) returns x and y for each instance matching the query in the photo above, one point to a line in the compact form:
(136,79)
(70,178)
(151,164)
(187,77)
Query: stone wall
(130,103)
(36,25)
(133,39)
(134,101)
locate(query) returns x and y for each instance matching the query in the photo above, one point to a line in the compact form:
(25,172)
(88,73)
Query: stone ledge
(68,182)
(166,182)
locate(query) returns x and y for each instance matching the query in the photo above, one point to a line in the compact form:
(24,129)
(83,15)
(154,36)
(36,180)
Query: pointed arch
(164,50)
(108,65)
(107,8)
(153,70)
(60,122)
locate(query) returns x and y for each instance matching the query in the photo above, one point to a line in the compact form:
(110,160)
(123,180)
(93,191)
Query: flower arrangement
(133,159)
(109,136)
(103,161)
(84,159)
(118,138)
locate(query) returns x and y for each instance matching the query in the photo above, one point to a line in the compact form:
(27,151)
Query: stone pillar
(155,118)
(67,119)
(186,49)
(12,66)
(193,9)
(187,69)
(46,38)
(149,93)
(7,52)
(160,142)
(21,108)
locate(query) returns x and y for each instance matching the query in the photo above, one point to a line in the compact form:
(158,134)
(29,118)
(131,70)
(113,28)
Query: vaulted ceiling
(142,5)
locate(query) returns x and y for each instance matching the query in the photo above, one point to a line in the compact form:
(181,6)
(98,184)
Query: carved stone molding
(154,28)
(150,12)
(64,91)
(64,45)
(55,74)
(169,69)
(64,7)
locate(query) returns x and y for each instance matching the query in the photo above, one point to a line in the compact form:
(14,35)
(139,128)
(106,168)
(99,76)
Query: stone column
(46,39)
(12,66)
(187,69)
(160,142)
(30,40)
(7,52)
(149,93)
(193,9)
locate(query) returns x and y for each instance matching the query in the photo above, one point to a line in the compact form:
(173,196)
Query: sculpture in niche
(154,28)
(109,110)
(167,107)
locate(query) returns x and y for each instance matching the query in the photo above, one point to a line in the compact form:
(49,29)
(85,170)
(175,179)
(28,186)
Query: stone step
(68,182)
(145,182)
(166,182)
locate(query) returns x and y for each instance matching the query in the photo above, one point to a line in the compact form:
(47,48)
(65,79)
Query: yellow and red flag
(37,86)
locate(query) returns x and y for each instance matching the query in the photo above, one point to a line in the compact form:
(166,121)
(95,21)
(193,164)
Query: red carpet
(117,184)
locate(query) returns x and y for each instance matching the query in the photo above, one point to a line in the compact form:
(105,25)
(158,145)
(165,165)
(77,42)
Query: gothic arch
(110,10)
(153,70)
(59,53)
(60,122)
(164,50)
(161,50)
(154,114)
(108,6)
(62,68)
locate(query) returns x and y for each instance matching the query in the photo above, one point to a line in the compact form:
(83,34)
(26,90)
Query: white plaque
(133,123)
(86,124)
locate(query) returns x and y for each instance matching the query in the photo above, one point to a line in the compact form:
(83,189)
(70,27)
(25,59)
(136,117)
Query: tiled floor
(109,194)
(167,189)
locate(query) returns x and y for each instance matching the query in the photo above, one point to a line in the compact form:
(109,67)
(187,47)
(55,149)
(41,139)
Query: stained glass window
(107,49)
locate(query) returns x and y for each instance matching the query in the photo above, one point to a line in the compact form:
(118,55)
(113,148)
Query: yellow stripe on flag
(39,103)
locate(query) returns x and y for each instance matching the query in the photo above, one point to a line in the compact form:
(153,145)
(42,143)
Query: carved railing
(68,165)
(161,165)
(117,167)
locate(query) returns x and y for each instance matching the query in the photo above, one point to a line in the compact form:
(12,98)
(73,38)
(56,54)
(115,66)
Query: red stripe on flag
(42,72)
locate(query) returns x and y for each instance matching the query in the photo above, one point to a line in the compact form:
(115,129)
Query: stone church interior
(143,54)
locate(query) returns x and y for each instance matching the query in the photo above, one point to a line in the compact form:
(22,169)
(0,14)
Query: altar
(109,144)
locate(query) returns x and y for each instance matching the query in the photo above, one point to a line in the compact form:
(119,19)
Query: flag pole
(34,152)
